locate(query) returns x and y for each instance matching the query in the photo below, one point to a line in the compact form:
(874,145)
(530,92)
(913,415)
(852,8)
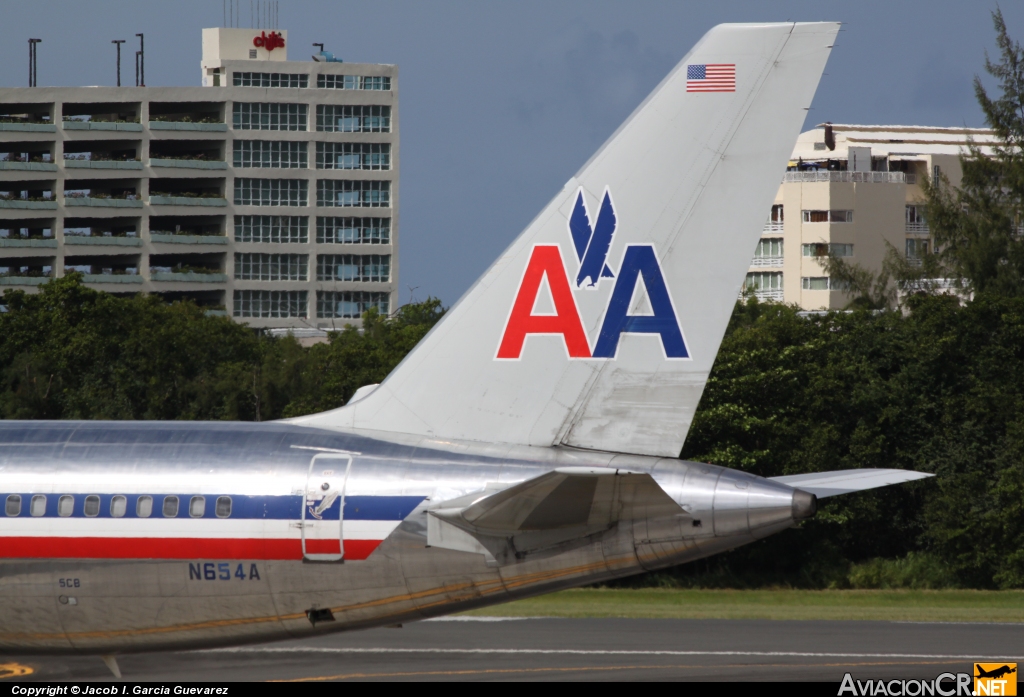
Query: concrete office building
(268,194)
(851,189)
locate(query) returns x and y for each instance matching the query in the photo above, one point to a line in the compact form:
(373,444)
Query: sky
(501,102)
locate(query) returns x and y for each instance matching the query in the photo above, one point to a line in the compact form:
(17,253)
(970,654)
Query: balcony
(105,269)
(164,200)
(14,280)
(189,277)
(102,240)
(191,191)
(187,164)
(24,242)
(917,229)
(766,261)
(97,116)
(102,164)
(188,266)
(773,227)
(37,127)
(31,118)
(775,295)
(101,201)
(83,125)
(26,272)
(111,278)
(175,238)
(35,204)
(845,177)
(187,126)
(31,166)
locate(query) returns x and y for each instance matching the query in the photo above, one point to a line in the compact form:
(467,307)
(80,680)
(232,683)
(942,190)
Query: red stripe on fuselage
(174,548)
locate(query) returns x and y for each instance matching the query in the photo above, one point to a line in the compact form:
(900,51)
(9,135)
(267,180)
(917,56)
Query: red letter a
(546,260)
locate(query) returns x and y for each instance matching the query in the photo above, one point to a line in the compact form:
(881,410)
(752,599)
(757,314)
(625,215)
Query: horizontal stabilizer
(825,484)
(563,505)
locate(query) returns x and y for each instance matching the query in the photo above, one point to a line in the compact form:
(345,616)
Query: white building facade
(269,194)
(850,190)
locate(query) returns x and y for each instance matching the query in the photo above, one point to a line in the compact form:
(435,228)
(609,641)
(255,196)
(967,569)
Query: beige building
(850,189)
(268,194)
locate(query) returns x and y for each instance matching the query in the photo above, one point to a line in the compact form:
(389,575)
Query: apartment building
(850,190)
(268,194)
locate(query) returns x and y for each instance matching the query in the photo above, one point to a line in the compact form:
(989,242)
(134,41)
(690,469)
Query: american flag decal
(711,77)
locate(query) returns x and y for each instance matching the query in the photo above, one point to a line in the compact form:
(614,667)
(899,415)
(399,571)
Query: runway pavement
(579,649)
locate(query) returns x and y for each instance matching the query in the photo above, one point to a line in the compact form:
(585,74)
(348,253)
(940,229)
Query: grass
(902,605)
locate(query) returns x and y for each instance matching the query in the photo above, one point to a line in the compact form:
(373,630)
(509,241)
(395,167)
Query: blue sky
(501,102)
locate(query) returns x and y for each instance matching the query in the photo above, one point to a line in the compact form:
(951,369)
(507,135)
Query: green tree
(353,358)
(977,228)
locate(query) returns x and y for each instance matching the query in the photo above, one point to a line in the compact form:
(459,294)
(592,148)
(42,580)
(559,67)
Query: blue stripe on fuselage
(242,507)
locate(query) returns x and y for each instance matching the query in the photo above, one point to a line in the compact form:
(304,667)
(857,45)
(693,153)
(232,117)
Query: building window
(776,216)
(768,247)
(828,216)
(915,215)
(271,267)
(270,303)
(270,117)
(271,192)
(353,82)
(270,80)
(821,249)
(353,230)
(353,119)
(270,153)
(365,268)
(916,249)
(764,281)
(821,283)
(350,304)
(353,156)
(343,193)
(286,229)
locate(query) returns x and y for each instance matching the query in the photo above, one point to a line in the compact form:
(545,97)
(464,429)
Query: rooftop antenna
(32,62)
(118,42)
(140,62)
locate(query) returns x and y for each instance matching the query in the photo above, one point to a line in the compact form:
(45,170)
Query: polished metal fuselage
(123,605)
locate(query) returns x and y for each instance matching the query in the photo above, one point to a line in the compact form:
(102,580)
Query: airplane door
(322,508)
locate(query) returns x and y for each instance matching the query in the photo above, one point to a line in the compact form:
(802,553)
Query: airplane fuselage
(157,535)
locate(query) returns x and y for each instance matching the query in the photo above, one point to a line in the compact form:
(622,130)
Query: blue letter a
(640,260)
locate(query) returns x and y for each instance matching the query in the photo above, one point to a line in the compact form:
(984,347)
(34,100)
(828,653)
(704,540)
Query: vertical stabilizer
(598,326)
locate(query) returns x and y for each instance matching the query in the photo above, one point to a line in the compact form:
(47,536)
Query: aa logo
(639,270)
(995,678)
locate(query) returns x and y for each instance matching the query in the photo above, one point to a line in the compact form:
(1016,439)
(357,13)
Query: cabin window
(92,506)
(144,507)
(170,506)
(197,506)
(118,506)
(13,506)
(224,507)
(65,505)
(38,505)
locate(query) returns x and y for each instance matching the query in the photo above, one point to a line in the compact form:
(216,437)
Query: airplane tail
(597,328)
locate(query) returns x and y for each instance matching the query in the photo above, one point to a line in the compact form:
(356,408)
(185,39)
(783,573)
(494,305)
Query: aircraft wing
(566,504)
(825,484)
